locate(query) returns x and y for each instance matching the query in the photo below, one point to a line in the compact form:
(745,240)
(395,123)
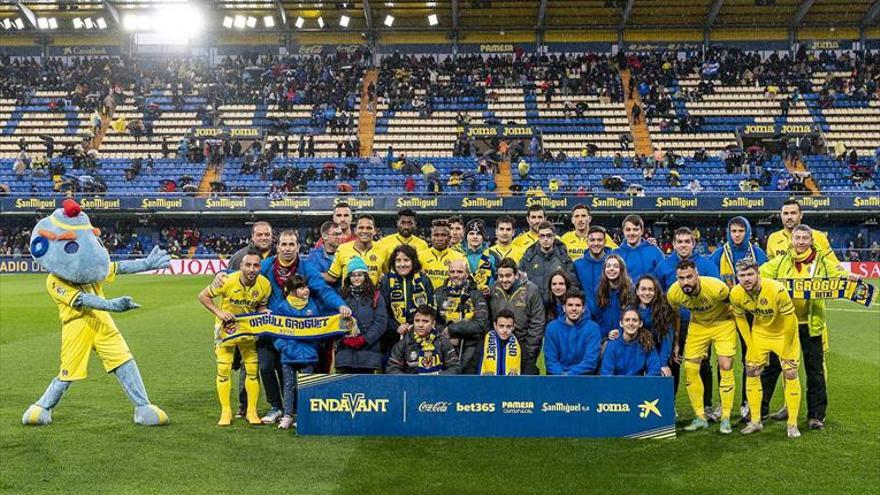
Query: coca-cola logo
(434,407)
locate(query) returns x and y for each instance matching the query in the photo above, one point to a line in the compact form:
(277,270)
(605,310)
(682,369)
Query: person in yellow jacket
(804,260)
(534,216)
(576,240)
(779,242)
(504,246)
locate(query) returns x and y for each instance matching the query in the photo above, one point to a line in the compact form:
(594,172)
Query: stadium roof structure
(456,17)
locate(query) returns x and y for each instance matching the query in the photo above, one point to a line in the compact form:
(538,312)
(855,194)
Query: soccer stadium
(623,246)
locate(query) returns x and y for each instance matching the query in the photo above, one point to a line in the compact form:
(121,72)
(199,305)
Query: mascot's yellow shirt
(238,299)
(435,264)
(510,251)
(390,242)
(375,257)
(74,318)
(708,308)
(577,245)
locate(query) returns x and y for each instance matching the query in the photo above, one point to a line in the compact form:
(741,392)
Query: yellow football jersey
(525,240)
(389,242)
(435,264)
(768,307)
(578,245)
(239,299)
(64,294)
(779,242)
(511,251)
(708,308)
(375,257)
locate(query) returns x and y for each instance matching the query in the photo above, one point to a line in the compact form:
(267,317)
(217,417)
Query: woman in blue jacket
(633,354)
(297,355)
(614,291)
(361,353)
(659,319)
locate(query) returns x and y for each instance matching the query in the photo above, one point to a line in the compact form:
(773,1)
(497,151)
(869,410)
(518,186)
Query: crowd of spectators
(419,82)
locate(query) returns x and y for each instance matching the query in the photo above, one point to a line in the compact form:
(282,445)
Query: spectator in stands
(361,354)
(573,342)
(424,351)
(634,354)
(695,187)
(524,300)
(462,314)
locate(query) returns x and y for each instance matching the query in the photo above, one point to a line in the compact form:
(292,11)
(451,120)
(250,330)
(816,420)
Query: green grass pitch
(93,447)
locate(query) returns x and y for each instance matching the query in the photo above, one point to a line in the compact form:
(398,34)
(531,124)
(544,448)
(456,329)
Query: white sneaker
(713,414)
(271,416)
(286,422)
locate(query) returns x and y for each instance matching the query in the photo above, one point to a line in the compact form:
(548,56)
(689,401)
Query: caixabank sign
(490,406)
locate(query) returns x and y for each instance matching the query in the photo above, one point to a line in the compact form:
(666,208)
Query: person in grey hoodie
(523,299)
(545,257)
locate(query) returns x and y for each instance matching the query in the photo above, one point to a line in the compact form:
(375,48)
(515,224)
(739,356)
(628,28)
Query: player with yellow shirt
(244,291)
(779,242)
(712,324)
(406,226)
(576,241)
(363,246)
(534,216)
(504,247)
(435,260)
(774,328)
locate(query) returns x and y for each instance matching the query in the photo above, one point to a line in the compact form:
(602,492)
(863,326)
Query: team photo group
(536,303)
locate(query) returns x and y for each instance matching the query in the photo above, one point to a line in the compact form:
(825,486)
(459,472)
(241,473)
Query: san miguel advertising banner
(486,406)
(709,202)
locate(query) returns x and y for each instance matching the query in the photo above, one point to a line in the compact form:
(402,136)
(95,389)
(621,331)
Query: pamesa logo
(349,403)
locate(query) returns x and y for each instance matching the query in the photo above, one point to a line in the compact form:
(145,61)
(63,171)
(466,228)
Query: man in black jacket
(463,314)
(544,257)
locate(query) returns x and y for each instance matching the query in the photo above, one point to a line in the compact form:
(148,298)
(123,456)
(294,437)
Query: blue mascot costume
(70,249)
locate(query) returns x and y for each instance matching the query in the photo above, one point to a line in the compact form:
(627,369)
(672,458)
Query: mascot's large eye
(71,247)
(39,246)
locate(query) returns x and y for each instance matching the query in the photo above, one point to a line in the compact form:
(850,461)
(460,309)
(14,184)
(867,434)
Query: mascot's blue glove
(158,258)
(117,305)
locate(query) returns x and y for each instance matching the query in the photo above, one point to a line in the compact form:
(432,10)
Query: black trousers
(271,373)
(814,367)
(705,367)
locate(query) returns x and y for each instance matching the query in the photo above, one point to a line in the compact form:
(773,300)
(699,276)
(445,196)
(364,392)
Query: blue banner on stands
(477,203)
(84,50)
(483,406)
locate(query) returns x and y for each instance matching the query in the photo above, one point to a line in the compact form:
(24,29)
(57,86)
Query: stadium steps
(640,133)
(96,141)
(210,175)
(797,165)
(503,179)
(367,119)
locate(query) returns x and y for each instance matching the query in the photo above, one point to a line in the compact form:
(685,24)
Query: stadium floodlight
(130,22)
(269,21)
(299,22)
(227,22)
(432,20)
(77,23)
(321,22)
(430,4)
(43,23)
(389,20)
(240,21)
(251,22)
(89,24)
(53,23)
(101,23)
(180,22)
(19,23)
(344,20)
(7,23)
